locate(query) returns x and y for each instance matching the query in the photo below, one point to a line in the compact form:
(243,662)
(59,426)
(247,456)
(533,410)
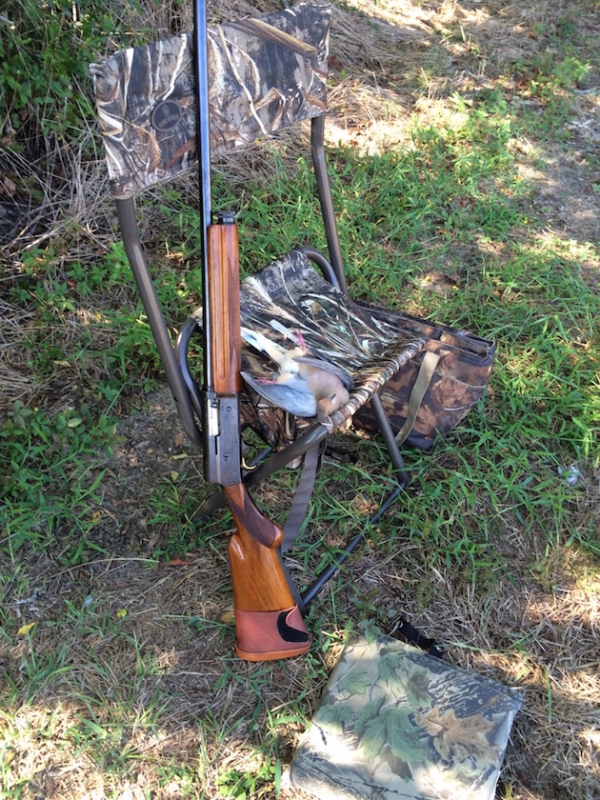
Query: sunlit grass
(435,196)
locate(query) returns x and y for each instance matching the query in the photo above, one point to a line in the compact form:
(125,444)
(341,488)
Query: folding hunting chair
(264,73)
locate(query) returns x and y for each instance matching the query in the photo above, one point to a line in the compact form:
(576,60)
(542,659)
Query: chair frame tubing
(187,393)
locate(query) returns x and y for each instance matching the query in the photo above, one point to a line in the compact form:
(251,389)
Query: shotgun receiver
(268,621)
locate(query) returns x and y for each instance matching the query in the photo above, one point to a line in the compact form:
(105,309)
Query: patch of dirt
(151,452)
(567,193)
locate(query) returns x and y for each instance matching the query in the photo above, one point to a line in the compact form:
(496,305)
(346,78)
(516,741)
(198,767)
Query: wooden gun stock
(268,621)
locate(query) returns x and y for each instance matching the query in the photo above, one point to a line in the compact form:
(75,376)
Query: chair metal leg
(323,264)
(329,572)
(403,480)
(388,437)
(160,332)
(317,132)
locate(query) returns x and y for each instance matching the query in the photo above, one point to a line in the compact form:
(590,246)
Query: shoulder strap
(424,376)
(302,495)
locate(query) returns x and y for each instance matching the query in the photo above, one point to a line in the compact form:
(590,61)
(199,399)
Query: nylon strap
(426,372)
(302,496)
(306,484)
(414,636)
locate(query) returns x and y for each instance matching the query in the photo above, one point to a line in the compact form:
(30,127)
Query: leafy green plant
(245,785)
(48,476)
(45,49)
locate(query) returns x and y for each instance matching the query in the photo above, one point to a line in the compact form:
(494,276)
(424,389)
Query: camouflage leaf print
(264,73)
(354,682)
(374,738)
(395,722)
(337,715)
(389,662)
(453,737)
(416,686)
(367,715)
(403,739)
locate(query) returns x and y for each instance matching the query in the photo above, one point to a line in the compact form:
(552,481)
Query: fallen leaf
(24,629)
(7,187)
(151,544)
(176,562)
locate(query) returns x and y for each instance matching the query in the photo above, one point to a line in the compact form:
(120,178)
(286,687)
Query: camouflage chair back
(333,357)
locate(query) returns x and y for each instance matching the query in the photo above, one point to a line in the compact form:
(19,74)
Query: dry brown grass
(170,694)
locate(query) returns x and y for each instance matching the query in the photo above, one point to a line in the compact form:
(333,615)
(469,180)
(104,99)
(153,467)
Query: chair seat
(241,81)
(290,295)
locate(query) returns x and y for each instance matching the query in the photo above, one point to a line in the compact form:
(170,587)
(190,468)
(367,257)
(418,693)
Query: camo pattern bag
(461,370)
(396,722)
(265,72)
(290,294)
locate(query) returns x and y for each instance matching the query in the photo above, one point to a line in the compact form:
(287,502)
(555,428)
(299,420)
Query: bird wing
(260,342)
(293,395)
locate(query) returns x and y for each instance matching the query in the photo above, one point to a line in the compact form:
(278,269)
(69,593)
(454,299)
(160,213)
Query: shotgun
(269,623)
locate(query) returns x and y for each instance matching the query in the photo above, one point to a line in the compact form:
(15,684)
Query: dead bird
(306,384)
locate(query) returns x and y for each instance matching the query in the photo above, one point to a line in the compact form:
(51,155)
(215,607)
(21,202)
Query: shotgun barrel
(269,624)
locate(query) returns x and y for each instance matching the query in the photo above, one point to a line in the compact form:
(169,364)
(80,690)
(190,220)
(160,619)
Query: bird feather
(293,395)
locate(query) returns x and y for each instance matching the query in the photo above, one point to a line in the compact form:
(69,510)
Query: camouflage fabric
(289,296)
(264,73)
(395,722)
(381,349)
(459,381)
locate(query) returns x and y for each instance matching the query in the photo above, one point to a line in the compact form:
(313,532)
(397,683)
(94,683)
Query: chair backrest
(264,73)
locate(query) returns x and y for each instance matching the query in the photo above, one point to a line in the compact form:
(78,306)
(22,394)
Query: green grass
(450,200)
(50,479)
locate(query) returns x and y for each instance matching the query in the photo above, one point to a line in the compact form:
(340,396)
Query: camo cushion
(397,722)
(265,73)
